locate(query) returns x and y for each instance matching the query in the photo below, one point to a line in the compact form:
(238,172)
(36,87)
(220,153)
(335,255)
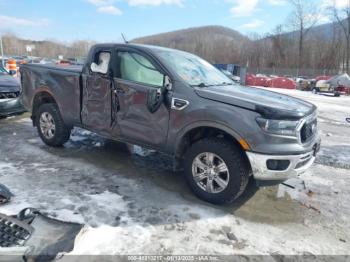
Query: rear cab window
(101,62)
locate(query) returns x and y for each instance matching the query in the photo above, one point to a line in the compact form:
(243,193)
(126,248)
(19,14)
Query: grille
(308,131)
(13,232)
(5,95)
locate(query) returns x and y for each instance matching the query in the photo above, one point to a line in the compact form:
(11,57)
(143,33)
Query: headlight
(279,127)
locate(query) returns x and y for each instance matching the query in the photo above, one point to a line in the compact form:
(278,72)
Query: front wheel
(216,171)
(50,125)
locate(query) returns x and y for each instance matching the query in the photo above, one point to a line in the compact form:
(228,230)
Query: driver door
(137,76)
(96,111)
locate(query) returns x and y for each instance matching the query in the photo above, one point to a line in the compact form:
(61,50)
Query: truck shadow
(150,164)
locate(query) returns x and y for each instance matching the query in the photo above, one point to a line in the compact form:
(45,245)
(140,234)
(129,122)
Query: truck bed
(60,81)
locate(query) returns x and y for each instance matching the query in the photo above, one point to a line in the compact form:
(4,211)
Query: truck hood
(269,104)
(8,84)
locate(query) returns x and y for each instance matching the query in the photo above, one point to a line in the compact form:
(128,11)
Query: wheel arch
(41,97)
(204,129)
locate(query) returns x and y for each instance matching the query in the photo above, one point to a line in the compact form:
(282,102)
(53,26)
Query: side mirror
(12,72)
(167,83)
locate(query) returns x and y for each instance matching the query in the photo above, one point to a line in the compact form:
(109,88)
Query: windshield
(194,70)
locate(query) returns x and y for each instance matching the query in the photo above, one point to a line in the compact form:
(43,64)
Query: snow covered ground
(131,202)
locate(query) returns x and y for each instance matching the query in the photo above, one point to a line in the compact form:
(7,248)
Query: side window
(101,63)
(137,68)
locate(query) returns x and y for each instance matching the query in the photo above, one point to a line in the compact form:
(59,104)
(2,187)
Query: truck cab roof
(141,47)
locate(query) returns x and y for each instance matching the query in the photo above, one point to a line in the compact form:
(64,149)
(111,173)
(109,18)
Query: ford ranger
(219,133)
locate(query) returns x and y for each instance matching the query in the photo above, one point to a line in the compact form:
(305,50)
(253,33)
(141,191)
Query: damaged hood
(8,83)
(269,104)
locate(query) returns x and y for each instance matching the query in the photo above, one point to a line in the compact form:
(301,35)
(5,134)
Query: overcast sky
(105,20)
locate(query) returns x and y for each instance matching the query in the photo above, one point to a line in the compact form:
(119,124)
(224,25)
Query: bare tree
(15,46)
(342,16)
(282,45)
(216,44)
(304,17)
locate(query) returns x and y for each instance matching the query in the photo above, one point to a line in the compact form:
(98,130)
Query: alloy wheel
(210,172)
(47,125)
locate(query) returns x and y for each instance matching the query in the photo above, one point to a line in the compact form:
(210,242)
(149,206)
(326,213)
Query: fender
(204,124)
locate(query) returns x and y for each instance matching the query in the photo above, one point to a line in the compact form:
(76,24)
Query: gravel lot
(132,203)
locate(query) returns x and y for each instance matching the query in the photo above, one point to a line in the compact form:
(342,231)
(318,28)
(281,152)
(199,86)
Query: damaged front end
(32,235)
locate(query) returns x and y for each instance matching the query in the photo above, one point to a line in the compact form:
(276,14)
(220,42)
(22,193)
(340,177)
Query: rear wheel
(314,91)
(50,125)
(216,171)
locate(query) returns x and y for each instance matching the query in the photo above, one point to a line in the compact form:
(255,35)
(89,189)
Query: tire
(47,118)
(314,91)
(236,164)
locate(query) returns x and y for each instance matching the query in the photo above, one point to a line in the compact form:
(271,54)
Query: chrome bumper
(298,165)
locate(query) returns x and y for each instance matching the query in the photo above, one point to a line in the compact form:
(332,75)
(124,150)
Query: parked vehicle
(325,87)
(305,84)
(336,85)
(9,95)
(177,103)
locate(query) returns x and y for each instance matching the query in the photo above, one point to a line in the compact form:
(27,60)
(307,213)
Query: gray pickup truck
(219,133)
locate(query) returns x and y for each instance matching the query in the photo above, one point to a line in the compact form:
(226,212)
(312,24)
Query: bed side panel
(62,85)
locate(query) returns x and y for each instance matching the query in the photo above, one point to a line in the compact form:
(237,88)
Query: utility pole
(2,52)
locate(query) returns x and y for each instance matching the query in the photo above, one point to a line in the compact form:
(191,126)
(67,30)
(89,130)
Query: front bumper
(298,164)
(11,106)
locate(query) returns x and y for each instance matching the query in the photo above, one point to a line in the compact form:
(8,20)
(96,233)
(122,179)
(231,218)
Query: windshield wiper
(224,84)
(207,85)
(201,85)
